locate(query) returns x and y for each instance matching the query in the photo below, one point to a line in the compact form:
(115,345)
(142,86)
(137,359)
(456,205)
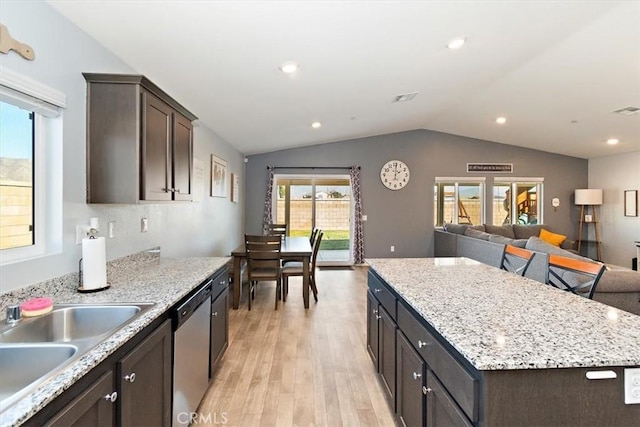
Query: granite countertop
(499,321)
(162,281)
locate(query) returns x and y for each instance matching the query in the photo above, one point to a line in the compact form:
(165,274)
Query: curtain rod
(311,167)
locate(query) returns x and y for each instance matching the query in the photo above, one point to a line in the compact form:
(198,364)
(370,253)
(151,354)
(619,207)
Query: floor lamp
(589,197)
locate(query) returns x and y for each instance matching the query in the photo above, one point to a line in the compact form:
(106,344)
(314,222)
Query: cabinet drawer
(220,283)
(384,295)
(462,386)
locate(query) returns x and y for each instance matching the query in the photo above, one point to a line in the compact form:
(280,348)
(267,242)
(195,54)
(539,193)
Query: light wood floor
(296,367)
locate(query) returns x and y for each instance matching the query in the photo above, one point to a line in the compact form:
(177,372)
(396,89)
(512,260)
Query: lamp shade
(588,196)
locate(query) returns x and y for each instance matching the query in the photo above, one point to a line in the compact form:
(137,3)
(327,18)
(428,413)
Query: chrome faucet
(13,314)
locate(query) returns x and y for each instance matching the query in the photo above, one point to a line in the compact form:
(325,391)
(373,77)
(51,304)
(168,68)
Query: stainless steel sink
(36,349)
(24,364)
(69,323)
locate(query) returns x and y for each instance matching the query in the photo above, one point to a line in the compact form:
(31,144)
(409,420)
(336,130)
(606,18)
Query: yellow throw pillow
(552,238)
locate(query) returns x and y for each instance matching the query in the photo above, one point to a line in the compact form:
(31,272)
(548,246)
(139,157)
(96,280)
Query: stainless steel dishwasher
(192,323)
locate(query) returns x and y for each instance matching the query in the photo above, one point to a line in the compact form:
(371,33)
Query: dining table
(293,248)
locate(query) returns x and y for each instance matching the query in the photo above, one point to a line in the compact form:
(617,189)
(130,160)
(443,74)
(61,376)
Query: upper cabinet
(139,142)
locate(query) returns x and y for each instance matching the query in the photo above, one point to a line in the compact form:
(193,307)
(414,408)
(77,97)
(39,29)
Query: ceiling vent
(405,97)
(627,111)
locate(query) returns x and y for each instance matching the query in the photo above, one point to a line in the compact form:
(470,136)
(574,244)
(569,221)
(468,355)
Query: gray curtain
(358,234)
(267,217)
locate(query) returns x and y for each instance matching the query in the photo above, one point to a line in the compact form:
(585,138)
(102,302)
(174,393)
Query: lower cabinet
(96,406)
(144,381)
(372,328)
(219,329)
(410,376)
(441,408)
(135,390)
(387,352)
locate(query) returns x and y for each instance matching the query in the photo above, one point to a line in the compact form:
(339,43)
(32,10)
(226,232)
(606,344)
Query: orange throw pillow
(552,238)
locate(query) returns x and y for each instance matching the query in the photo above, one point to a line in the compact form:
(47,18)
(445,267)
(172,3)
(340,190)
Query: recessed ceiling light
(289,67)
(612,141)
(316,125)
(456,43)
(501,120)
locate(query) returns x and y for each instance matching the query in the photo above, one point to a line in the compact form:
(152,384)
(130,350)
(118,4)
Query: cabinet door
(94,407)
(156,149)
(182,157)
(144,379)
(410,370)
(219,329)
(441,408)
(387,352)
(372,328)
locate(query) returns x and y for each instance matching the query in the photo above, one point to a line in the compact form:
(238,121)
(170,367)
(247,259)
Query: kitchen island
(142,278)
(468,344)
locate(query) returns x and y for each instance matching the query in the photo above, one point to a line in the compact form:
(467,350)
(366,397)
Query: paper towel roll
(94,263)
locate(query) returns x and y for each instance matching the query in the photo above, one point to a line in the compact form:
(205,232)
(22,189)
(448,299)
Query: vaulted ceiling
(555,70)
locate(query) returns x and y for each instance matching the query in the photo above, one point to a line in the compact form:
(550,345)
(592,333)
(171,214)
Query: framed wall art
(235,187)
(218,177)
(631,203)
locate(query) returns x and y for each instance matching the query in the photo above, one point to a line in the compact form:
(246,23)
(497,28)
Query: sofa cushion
(502,230)
(455,228)
(539,245)
(496,238)
(619,281)
(477,234)
(522,231)
(553,238)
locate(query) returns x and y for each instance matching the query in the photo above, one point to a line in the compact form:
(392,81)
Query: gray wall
(615,174)
(212,227)
(405,218)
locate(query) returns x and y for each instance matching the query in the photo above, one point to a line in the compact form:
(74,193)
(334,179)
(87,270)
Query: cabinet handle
(426,390)
(214,314)
(222,283)
(111,397)
(176,190)
(416,375)
(375,311)
(131,377)
(375,291)
(421,344)
(378,317)
(167,190)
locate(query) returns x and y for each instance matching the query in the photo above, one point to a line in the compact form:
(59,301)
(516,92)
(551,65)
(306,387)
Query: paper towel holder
(81,289)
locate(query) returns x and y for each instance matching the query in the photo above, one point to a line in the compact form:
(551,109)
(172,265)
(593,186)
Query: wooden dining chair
(297,269)
(573,275)
(516,260)
(275,229)
(263,262)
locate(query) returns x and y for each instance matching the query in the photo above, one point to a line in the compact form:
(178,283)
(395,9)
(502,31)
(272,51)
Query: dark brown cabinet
(94,407)
(372,328)
(441,408)
(144,381)
(410,376)
(219,328)
(139,142)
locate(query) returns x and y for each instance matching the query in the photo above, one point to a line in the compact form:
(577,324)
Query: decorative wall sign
(490,167)
(631,203)
(235,187)
(218,177)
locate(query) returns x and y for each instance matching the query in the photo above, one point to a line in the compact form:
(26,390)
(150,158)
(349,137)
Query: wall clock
(394,174)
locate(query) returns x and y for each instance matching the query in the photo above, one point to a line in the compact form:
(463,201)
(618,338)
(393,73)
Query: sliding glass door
(322,201)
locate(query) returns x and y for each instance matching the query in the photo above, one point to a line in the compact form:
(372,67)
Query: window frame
(456,182)
(47,105)
(514,182)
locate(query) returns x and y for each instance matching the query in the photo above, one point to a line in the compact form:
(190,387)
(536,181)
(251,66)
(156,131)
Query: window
(458,201)
(521,209)
(16,176)
(30,168)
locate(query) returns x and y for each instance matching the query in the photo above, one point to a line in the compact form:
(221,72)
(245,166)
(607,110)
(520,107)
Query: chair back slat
(275,229)
(516,260)
(584,278)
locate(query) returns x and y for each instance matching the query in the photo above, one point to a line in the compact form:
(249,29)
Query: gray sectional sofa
(619,287)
